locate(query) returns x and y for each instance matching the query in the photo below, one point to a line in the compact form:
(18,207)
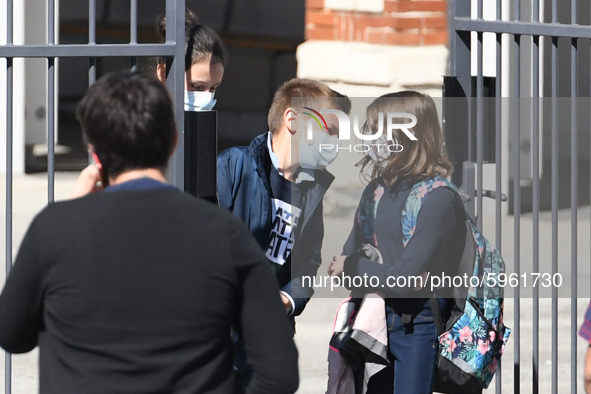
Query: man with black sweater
(134,289)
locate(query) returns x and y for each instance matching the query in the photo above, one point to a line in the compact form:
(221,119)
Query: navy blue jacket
(244,188)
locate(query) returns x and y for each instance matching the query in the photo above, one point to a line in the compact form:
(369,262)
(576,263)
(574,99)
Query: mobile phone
(97,163)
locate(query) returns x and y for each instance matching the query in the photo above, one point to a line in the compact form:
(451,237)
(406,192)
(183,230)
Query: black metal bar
(479,127)
(554,176)
(9,170)
(175,40)
(517,200)
(50,104)
(91,41)
(498,165)
(201,145)
(9,189)
(573,206)
(133,30)
(536,206)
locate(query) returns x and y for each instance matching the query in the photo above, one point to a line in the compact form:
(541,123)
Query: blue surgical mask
(320,151)
(199,101)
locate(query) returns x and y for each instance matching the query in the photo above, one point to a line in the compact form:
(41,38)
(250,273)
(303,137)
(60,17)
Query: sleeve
(224,182)
(21,301)
(305,262)
(352,243)
(264,325)
(435,225)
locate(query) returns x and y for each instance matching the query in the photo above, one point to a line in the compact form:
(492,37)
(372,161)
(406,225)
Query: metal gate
(540,59)
(173,48)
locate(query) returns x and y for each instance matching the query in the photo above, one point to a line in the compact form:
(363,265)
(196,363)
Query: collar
(303,174)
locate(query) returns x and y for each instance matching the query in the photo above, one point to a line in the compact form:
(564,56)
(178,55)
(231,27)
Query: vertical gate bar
(498,169)
(554,176)
(554,124)
(9,147)
(175,33)
(9,158)
(50,129)
(536,203)
(516,210)
(51,104)
(517,197)
(91,40)
(573,200)
(133,30)
(479,126)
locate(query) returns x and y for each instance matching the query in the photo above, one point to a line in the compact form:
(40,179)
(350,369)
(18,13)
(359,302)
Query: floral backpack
(472,340)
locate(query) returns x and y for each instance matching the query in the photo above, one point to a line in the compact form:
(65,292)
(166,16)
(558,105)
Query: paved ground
(313,328)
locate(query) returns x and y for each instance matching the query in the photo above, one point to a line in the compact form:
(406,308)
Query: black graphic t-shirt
(285,217)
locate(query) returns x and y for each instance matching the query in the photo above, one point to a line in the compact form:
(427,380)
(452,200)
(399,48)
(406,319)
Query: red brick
(435,37)
(407,38)
(314,4)
(382,21)
(321,18)
(422,5)
(317,33)
(361,22)
(393,38)
(376,36)
(391,6)
(408,23)
(434,22)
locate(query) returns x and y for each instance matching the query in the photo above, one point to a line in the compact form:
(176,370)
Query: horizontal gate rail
(85,50)
(522,28)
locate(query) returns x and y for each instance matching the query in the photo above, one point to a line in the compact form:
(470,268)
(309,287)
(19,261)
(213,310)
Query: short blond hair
(303,88)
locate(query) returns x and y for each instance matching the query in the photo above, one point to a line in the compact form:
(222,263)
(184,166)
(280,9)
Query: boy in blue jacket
(278,192)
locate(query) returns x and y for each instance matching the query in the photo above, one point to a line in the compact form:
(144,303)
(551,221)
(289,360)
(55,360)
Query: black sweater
(136,291)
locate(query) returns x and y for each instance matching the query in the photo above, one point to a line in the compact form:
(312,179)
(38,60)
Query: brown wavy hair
(418,160)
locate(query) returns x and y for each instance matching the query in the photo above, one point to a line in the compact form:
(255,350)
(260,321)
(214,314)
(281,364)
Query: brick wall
(392,22)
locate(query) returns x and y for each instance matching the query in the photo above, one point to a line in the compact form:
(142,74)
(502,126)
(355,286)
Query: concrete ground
(314,326)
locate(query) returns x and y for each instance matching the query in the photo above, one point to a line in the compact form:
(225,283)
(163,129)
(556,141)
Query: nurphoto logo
(375,139)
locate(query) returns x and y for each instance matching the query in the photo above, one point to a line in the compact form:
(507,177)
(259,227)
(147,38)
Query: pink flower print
(492,335)
(422,191)
(493,366)
(466,334)
(439,184)
(375,240)
(483,346)
(502,349)
(412,231)
(452,345)
(377,194)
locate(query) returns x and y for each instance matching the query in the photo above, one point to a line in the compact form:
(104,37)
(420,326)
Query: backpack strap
(436,312)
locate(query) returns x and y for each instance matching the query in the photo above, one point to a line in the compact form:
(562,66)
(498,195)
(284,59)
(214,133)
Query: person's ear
(161,72)
(291,120)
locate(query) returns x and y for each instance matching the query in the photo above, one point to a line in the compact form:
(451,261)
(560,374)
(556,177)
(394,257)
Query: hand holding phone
(87,182)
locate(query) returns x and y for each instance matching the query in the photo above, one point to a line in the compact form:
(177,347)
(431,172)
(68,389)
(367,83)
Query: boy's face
(316,152)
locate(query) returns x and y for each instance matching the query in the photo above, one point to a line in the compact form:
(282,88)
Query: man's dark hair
(128,118)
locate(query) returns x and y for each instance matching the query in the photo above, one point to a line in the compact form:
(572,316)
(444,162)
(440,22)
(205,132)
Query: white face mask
(320,151)
(199,101)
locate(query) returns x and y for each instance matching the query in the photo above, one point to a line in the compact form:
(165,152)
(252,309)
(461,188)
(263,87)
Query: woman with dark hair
(205,60)
(396,163)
